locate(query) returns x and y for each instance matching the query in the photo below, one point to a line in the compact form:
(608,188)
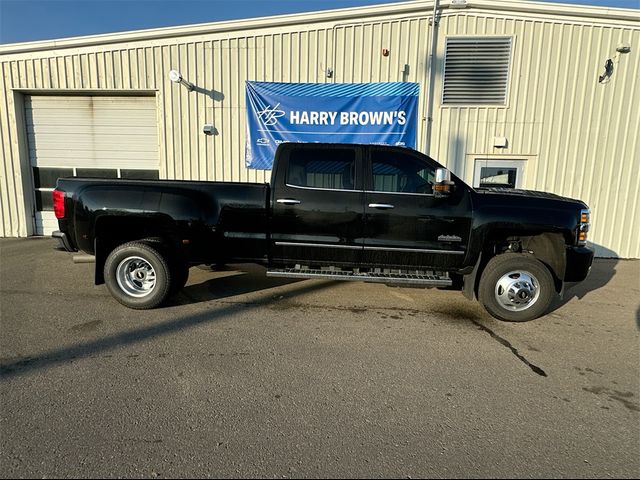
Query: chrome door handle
(288,201)
(381,206)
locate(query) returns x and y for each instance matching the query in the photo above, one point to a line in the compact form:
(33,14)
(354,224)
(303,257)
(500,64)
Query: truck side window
(400,173)
(322,168)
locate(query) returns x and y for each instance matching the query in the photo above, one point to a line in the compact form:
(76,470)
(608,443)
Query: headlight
(583,228)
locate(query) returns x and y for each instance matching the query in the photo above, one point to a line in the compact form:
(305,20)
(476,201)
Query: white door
(498,173)
(107,137)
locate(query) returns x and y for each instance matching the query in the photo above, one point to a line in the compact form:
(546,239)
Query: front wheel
(516,288)
(137,275)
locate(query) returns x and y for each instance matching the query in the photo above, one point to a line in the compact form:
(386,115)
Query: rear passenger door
(317,206)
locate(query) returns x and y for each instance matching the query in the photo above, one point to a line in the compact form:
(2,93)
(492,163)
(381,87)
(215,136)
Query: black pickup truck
(348,212)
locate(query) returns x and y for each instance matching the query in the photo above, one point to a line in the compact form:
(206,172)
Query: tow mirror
(443,186)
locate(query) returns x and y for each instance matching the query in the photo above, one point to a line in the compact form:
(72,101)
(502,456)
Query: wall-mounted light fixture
(623,48)
(176,77)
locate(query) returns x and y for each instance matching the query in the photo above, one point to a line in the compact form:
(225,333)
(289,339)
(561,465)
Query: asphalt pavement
(246,376)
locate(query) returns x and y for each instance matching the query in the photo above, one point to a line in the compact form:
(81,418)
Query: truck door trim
(417,250)
(323,189)
(318,245)
(373,192)
(356,247)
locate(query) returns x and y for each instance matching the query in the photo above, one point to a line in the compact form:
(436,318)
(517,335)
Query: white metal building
(510,88)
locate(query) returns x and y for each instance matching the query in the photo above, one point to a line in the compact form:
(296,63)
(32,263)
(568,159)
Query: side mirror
(443,186)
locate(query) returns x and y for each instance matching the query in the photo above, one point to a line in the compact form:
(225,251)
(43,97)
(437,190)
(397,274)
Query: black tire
(137,275)
(516,288)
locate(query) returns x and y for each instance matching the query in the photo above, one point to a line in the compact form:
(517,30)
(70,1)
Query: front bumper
(64,243)
(579,260)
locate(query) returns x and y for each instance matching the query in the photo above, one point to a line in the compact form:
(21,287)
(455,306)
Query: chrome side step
(392,277)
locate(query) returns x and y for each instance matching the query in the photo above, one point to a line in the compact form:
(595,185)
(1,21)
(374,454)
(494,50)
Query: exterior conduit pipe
(430,78)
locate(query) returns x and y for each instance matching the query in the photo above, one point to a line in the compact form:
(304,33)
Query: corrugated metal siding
(580,138)
(14,221)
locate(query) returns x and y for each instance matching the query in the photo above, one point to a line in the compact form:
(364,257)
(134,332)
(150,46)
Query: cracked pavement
(247,376)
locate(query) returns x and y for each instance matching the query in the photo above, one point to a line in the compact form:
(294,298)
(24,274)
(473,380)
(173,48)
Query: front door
(406,226)
(317,217)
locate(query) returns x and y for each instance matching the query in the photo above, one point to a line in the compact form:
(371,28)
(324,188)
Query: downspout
(430,77)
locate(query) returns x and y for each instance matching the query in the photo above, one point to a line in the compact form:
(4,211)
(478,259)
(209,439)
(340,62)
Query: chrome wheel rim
(517,290)
(136,277)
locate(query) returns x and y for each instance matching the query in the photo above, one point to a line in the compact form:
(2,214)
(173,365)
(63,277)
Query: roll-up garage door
(97,136)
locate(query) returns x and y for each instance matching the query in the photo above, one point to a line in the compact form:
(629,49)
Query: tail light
(58,203)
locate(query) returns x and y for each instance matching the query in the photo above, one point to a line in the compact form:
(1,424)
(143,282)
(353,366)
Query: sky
(27,20)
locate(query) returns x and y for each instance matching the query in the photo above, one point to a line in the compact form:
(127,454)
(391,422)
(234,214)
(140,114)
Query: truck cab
(365,207)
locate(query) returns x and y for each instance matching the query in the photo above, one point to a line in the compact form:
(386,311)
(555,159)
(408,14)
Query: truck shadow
(602,271)
(226,282)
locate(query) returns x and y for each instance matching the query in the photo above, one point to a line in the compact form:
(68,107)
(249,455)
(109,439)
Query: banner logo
(369,113)
(269,116)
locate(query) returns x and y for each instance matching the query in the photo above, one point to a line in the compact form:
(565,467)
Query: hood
(510,194)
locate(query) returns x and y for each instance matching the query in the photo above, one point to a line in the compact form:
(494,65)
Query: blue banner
(378,113)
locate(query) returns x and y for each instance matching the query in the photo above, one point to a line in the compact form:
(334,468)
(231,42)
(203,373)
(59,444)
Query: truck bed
(230,215)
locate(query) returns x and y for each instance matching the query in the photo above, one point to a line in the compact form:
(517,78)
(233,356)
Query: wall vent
(476,70)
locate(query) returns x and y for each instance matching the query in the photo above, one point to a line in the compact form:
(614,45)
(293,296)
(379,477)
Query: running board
(427,279)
